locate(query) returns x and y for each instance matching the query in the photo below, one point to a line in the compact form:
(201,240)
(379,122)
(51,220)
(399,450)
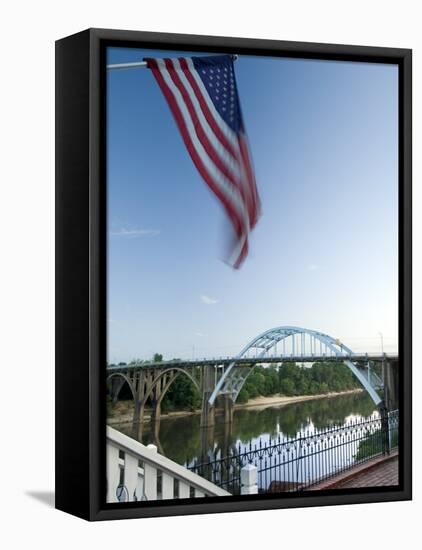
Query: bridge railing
(136,472)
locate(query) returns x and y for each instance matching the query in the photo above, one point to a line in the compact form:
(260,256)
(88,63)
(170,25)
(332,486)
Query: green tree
(182,394)
(287,386)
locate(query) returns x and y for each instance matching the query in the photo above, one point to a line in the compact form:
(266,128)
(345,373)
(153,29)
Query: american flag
(202,95)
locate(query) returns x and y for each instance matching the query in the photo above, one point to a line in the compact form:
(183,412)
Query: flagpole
(138,65)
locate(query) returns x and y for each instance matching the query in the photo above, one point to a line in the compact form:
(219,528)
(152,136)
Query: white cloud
(207,300)
(134,232)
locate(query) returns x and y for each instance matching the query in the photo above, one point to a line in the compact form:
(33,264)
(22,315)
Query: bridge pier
(156,403)
(138,411)
(228,409)
(208,383)
(227,438)
(206,435)
(390,375)
(139,385)
(138,418)
(156,412)
(156,436)
(207,412)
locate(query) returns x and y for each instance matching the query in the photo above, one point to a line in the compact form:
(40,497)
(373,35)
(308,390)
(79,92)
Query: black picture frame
(81,271)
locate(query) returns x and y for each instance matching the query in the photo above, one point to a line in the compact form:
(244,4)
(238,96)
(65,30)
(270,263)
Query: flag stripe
(204,153)
(249,191)
(254,202)
(216,142)
(224,190)
(239,149)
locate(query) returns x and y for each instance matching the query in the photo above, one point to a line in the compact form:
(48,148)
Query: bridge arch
(167,386)
(303,343)
(152,385)
(124,379)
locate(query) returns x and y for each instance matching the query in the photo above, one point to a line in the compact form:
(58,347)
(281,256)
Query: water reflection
(182,440)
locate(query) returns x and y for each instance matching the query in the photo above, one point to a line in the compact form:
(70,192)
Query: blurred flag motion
(202,95)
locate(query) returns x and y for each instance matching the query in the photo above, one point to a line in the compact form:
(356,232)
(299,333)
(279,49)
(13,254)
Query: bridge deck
(225,361)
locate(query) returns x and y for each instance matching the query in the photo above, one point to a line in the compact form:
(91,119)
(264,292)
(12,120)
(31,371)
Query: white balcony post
(113,472)
(150,477)
(248,479)
(184,490)
(131,475)
(168,486)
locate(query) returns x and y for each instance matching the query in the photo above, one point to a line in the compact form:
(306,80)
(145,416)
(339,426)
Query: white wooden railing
(139,472)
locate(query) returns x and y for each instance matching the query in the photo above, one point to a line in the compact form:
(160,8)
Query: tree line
(293,379)
(288,379)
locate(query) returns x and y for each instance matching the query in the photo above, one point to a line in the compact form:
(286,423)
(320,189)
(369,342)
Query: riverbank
(123,410)
(278,400)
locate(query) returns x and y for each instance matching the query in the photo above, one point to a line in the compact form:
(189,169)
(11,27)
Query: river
(181,439)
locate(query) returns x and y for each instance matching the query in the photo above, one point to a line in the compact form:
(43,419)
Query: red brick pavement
(380,471)
(386,473)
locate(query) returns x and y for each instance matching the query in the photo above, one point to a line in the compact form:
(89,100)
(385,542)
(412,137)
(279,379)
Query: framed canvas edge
(72,300)
(95,446)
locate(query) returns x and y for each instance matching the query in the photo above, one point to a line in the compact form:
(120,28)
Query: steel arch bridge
(299,344)
(223,378)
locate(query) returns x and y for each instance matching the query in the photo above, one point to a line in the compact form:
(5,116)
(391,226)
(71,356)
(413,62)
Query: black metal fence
(295,464)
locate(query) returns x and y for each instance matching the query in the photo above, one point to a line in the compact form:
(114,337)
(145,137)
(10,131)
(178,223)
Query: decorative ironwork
(295,464)
(122,493)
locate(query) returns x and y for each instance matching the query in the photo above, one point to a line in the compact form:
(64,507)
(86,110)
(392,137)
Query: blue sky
(324,254)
